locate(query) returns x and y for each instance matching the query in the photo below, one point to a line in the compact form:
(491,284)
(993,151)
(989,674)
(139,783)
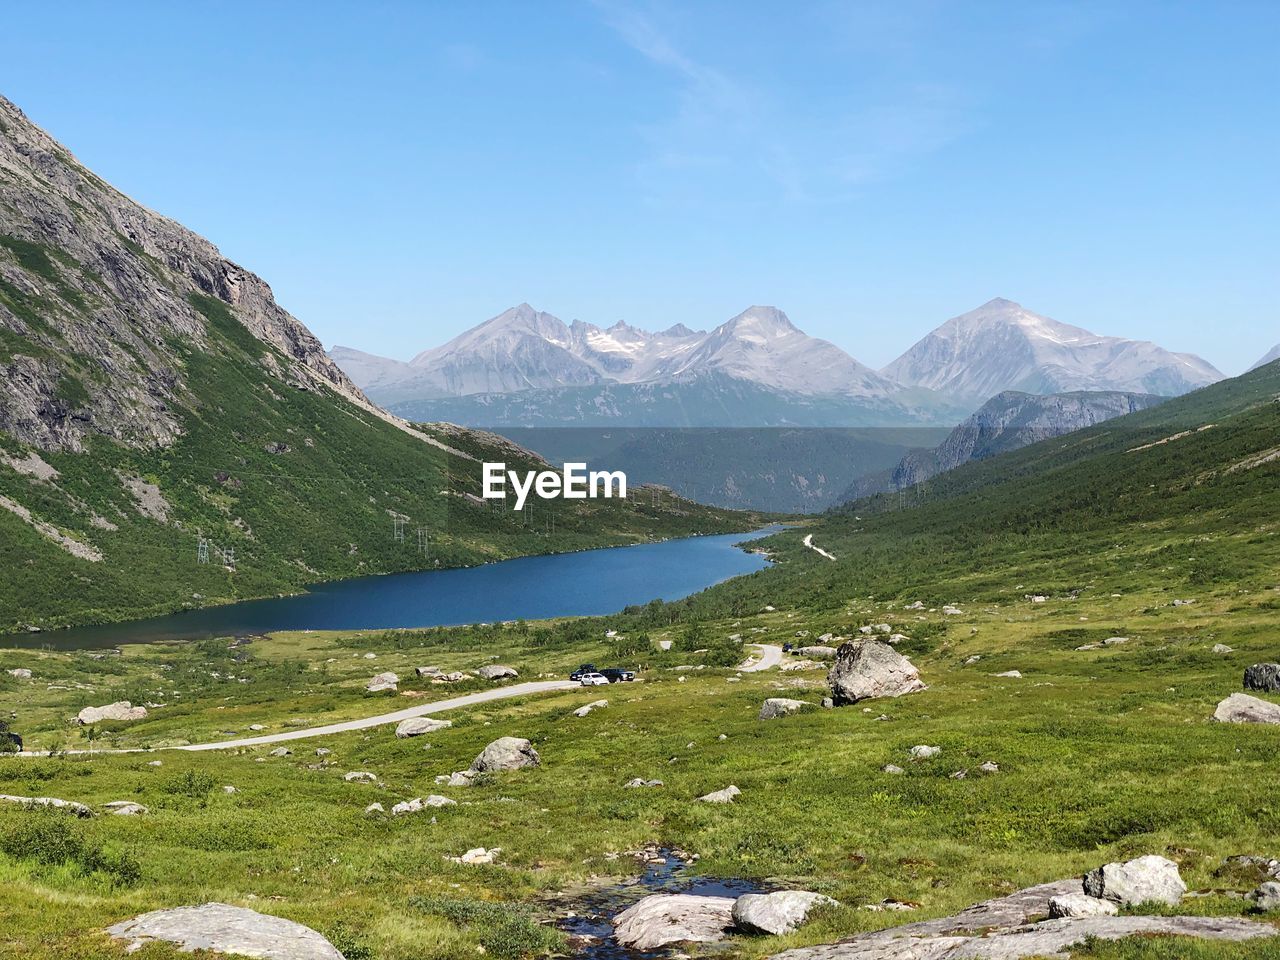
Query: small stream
(587,916)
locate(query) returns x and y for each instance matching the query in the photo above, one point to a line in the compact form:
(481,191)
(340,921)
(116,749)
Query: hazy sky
(402,171)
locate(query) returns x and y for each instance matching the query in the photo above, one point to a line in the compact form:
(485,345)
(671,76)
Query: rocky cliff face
(95,303)
(1012,420)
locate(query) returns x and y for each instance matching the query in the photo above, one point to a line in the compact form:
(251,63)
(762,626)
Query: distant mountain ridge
(1272,355)
(525,367)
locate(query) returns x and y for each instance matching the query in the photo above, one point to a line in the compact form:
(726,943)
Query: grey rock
(868,668)
(375,808)
(281,752)
(721,796)
(417,726)
(1146,879)
(496,671)
(323,751)
(226,929)
(818,652)
(383,682)
(428,671)
(1080,905)
(122,710)
(892,768)
(31,803)
(1242,708)
(1223,648)
(418,804)
(923,751)
(640,782)
(775,913)
(20,673)
(360,776)
(125,808)
(989,767)
(1267,897)
(593,705)
(661,919)
(781,707)
(506,753)
(1263,676)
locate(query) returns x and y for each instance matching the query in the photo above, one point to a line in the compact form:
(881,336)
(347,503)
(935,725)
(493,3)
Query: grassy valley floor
(1103,754)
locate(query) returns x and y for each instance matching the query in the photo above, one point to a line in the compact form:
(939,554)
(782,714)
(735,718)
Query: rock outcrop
(1263,676)
(122,710)
(867,669)
(226,929)
(1148,879)
(775,913)
(661,919)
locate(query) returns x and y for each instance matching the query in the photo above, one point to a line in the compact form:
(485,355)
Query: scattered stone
(256,727)
(1223,648)
(155,763)
(375,808)
(828,703)
(281,752)
(371,656)
(891,768)
(31,803)
(924,752)
(418,804)
(428,671)
(226,929)
(417,726)
(323,751)
(775,913)
(506,753)
(665,918)
(360,776)
(1089,646)
(721,796)
(818,652)
(1267,897)
(868,668)
(969,662)
(228,789)
(1143,880)
(126,808)
(781,707)
(383,682)
(1114,641)
(1012,674)
(1242,708)
(640,782)
(495,671)
(21,673)
(1080,905)
(478,855)
(123,710)
(989,767)
(593,705)
(960,775)
(951,611)
(914,605)
(1263,676)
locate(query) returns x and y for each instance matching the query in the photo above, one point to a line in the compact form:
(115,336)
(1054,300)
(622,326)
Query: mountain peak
(678,330)
(762,319)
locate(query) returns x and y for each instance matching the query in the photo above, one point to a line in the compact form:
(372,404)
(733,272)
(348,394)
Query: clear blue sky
(401,171)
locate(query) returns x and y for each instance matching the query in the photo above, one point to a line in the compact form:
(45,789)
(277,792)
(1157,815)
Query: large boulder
(868,668)
(226,929)
(416,726)
(506,753)
(121,710)
(780,707)
(382,682)
(1242,708)
(775,913)
(1146,879)
(1263,676)
(1267,897)
(495,671)
(667,918)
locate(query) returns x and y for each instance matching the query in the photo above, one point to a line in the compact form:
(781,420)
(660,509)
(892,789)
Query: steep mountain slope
(154,395)
(1272,355)
(1003,346)
(1008,421)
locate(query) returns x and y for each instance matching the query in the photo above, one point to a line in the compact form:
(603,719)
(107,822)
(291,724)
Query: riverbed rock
(665,918)
(721,796)
(1263,676)
(1267,897)
(865,669)
(1146,879)
(33,803)
(383,682)
(1242,708)
(125,808)
(417,726)
(121,710)
(1080,905)
(781,707)
(227,929)
(506,753)
(496,671)
(775,913)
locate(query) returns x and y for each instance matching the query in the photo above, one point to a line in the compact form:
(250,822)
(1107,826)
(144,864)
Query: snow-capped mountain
(1003,346)
(1272,355)
(525,349)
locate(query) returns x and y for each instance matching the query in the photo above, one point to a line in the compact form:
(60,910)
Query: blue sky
(401,171)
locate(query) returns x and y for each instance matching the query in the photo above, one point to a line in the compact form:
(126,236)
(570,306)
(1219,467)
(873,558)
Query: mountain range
(1271,356)
(525,367)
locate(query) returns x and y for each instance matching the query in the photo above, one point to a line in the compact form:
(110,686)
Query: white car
(594,680)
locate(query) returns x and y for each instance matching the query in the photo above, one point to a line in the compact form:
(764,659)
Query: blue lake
(588,583)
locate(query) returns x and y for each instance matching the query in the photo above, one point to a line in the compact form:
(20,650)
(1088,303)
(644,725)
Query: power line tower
(202,549)
(229,558)
(424,541)
(397,522)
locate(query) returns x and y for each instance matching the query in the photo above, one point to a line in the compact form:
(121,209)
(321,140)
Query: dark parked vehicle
(618,675)
(585,668)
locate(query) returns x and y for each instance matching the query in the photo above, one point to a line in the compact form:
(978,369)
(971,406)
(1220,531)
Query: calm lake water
(589,583)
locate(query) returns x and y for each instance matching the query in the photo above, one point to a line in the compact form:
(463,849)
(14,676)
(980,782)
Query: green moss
(32,257)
